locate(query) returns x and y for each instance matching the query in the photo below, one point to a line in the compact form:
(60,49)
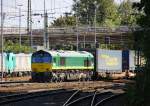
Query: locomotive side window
(62,61)
(54,60)
(86,62)
(92,62)
(89,62)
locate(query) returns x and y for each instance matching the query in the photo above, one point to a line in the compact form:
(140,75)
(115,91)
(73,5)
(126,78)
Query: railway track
(11,82)
(60,97)
(25,96)
(95,99)
(64,97)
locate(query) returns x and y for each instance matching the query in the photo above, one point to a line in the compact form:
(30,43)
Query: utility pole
(77,30)
(28,19)
(87,22)
(31,42)
(95,27)
(95,21)
(20,26)
(29,23)
(46,38)
(2,20)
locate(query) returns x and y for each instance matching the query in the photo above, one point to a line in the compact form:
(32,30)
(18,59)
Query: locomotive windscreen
(41,58)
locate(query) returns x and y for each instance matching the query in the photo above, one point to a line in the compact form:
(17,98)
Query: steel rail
(86,97)
(71,97)
(108,99)
(9,82)
(25,96)
(93,99)
(79,99)
(28,93)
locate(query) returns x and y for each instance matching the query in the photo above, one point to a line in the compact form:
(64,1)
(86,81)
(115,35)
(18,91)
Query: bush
(9,46)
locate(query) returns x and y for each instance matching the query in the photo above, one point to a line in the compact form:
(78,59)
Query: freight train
(64,65)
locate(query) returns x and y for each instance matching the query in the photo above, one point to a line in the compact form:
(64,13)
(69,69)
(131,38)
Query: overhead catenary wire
(10,12)
(60,8)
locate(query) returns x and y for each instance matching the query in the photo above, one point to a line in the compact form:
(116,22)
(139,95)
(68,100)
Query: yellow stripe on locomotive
(72,68)
(41,67)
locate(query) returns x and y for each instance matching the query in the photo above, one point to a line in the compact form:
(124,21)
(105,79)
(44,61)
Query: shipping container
(132,60)
(4,66)
(125,60)
(23,62)
(10,62)
(109,60)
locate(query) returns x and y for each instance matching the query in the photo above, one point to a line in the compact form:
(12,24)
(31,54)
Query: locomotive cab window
(41,58)
(54,60)
(87,62)
(62,61)
(92,62)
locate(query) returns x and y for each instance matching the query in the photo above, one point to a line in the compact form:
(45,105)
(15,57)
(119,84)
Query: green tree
(140,93)
(106,11)
(9,46)
(64,21)
(126,13)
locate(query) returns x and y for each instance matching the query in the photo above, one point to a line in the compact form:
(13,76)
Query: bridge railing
(63,30)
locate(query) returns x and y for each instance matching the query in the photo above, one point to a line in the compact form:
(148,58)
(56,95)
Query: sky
(55,8)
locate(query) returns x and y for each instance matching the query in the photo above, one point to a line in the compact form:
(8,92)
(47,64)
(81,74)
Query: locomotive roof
(70,53)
